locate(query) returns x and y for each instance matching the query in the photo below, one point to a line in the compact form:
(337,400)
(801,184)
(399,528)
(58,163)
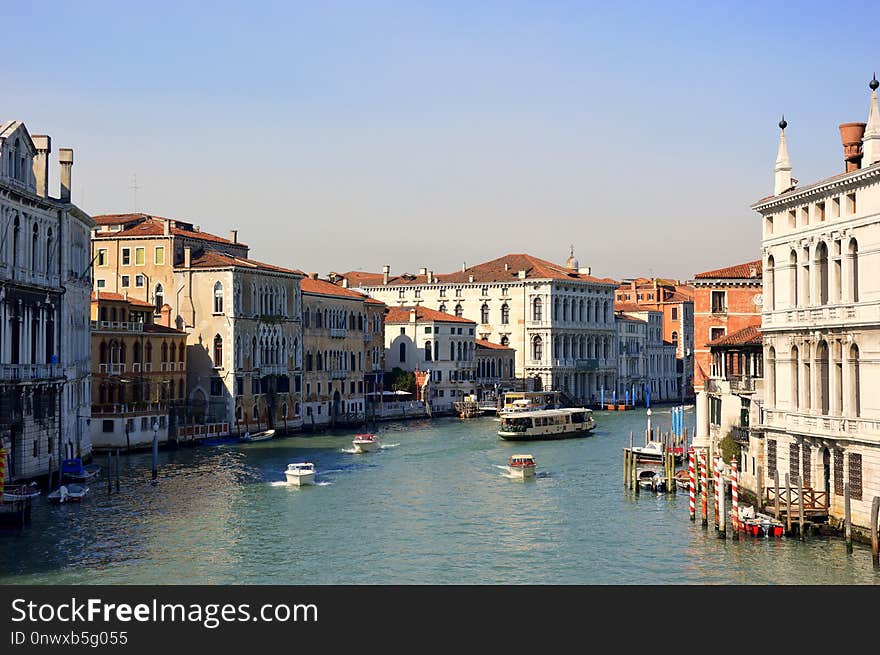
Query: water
(433,508)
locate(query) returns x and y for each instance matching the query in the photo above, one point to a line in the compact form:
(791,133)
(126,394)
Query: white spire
(871,140)
(782,180)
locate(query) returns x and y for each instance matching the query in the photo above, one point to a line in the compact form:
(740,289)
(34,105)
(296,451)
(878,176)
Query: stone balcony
(833,427)
(338,333)
(117,326)
(30,372)
(823,316)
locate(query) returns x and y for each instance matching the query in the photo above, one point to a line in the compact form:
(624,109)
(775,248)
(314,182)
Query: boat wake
(389,445)
(347,450)
(279,483)
(322,483)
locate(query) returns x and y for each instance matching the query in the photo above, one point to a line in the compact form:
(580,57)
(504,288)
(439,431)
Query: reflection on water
(430,507)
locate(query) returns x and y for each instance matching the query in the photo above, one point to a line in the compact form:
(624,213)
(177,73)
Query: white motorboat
(70,493)
(538,425)
(265,435)
(651,479)
(14,492)
(521,466)
(653,452)
(366,443)
(300,473)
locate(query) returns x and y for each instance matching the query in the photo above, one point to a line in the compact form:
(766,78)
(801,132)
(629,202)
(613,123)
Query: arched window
(137,351)
(401,349)
(148,356)
(103,353)
(458,310)
(771,376)
(854,270)
(16,240)
(442,308)
(770,280)
(35,240)
(451,351)
(794,395)
(792,279)
(505,341)
(460,357)
(675,340)
(537,349)
(536,309)
(505,314)
(49,246)
(307,318)
(218,298)
(159,296)
(855,388)
(319,361)
(427,351)
(165,352)
(822,273)
(218,351)
(484,314)
(824,400)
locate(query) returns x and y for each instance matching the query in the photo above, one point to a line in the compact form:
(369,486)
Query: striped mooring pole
(704,488)
(734,496)
(693,506)
(719,489)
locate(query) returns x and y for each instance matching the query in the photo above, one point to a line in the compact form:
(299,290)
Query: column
(847,410)
(815,382)
(846,273)
(814,282)
(701,438)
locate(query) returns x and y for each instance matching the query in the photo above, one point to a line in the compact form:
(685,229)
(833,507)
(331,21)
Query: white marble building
(645,360)
(560,319)
(821,323)
(45,348)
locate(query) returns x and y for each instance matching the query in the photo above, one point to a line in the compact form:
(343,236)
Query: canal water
(432,507)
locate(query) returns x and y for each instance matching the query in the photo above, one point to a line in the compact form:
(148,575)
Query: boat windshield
(515,424)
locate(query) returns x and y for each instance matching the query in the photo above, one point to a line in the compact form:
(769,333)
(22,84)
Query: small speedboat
(651,479)
(73,469)
(653,452)
(265,435)
(365,443)
(521,466)
(71,493)
(682,479)
(300,473)
(14,492)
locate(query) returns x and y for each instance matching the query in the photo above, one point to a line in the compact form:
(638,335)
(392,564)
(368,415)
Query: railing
(30,371)
(273,369)
(117,326)
(131,409)
(719,309)
(591,364)
(338,333)
(822,425)
(338,374)
(815,502)
(858,312)
(743,383)
(740,434)
(25,276)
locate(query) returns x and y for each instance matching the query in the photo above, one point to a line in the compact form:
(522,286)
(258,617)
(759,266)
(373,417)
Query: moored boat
(521,466)
(73,469)
(653,452)
(265,435)
(546,424)
(365,443)
(300,473)
(16,492)
(70,493)
(651,479)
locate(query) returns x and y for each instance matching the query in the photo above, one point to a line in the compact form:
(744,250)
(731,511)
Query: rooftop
(214,259)
(326,288)
(118,297)
(142,225)
(749,270)
(750,336)
(482,343)
(423,315)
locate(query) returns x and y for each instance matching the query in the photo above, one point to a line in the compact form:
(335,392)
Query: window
(768,225)
(159,255)
(835,212)
(442,308)
(851,203)
(458,310)
(139,256)
(505,314)
(537,348)
(504,340)
(536,309)
(125,281)
(139,280)
(102,257)
(716,333)
(442,293)
(159,297)
(427,351)
(107,425)
(675,339)
(428,330)
(402,352)
(216,387)
(218,298)
(401,293)
(484,291)
(101,283)
(719,302)
(218,351)
(675,313)
(403,330)
(792,219)
(820,211)
(126,256)
(484,313)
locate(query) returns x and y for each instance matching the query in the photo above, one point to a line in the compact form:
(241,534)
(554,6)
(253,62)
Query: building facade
(495,368)
(821,259)
(419,339)
(726,300)
(138,373)
(45,352)
(558,319)
(646,362)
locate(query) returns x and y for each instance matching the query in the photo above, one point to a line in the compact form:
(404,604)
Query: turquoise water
(432,507)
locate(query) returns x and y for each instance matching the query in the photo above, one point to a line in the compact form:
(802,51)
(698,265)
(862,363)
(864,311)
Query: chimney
(584,270)
(187,255)
(386,270)
(313,276)
(423,271)
(233,236)
(521,274)
(463,267)
(165,315)
(412,315)
(851,136)
(65,159)
(506,266)
(470,278)
(41,163)
(345,283)
(430,277)
(166,227)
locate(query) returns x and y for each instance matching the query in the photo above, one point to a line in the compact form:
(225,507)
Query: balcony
(273,369)
(591,364)
(740,434)
(833,427)
(827,314)
(117,326)
(338,374)
(28,372)
(111,369)
(338,333)
(129,409)
(744,383)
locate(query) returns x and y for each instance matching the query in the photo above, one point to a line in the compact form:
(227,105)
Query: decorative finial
(571,250)
(874,83)
(783,124)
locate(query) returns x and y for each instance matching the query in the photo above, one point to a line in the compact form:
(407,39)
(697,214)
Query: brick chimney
(851,135)
(166,228)
(41,163)
(65,159)
(430,277)
(313,276)
(233,236)
(165,315)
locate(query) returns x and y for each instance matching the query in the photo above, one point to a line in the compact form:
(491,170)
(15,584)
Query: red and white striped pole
(734,495)
(719,488)
(704,488)
(693,506)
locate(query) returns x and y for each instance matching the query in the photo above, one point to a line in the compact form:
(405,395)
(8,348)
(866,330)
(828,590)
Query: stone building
(341,329)
(726,300)
(645,360)
(441,345)
(559,319)
(374,341)
(45,353)
(138,372)
(495,369)
(675,301)
(820,323)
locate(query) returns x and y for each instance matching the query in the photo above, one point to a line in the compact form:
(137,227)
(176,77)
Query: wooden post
(625,467)
(776,488)
(760,489)
(718,489)
(847,516)
(109,473)
(801,506)
(691,504)
(632,462)
(117,470)
(787,504)
(875,539)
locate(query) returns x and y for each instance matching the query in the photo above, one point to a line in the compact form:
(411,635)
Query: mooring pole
(760,489)
(704,490)
(734,498)
(117,470)
(801,506)
(847,515)
(691,505)
(776,493)
(875,540)
(787,504)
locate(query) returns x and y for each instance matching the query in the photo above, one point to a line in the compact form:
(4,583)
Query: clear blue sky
(340,136)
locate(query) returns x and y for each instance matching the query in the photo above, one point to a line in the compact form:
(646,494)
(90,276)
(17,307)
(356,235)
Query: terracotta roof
(503,269)
(750,336)
(628,307)
(373,301)
(118,297)
(633,319)
(327,288)
(423,314)
(482,343)
(214,259)
(700,376)
(149,225)
(162,329)
(749,270)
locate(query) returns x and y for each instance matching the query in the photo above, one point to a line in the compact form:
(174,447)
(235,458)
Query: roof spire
(782,178)
(871,139)
(571,262)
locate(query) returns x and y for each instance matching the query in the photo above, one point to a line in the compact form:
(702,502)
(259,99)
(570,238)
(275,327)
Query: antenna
(134,187)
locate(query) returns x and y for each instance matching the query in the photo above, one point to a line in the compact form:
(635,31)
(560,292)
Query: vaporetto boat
(546,424)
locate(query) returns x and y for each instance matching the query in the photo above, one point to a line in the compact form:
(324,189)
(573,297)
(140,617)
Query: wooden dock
(815,503)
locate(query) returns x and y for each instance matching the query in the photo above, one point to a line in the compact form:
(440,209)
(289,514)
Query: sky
(341,136)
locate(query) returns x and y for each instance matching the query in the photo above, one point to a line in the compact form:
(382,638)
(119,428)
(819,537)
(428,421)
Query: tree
(400,380)
(730,449)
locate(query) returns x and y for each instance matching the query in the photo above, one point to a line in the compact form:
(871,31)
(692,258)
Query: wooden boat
(265,435)
(71,493)
(73,469)
(521,466)
(651,480)
(366,443)
(682,480)
(15,492)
